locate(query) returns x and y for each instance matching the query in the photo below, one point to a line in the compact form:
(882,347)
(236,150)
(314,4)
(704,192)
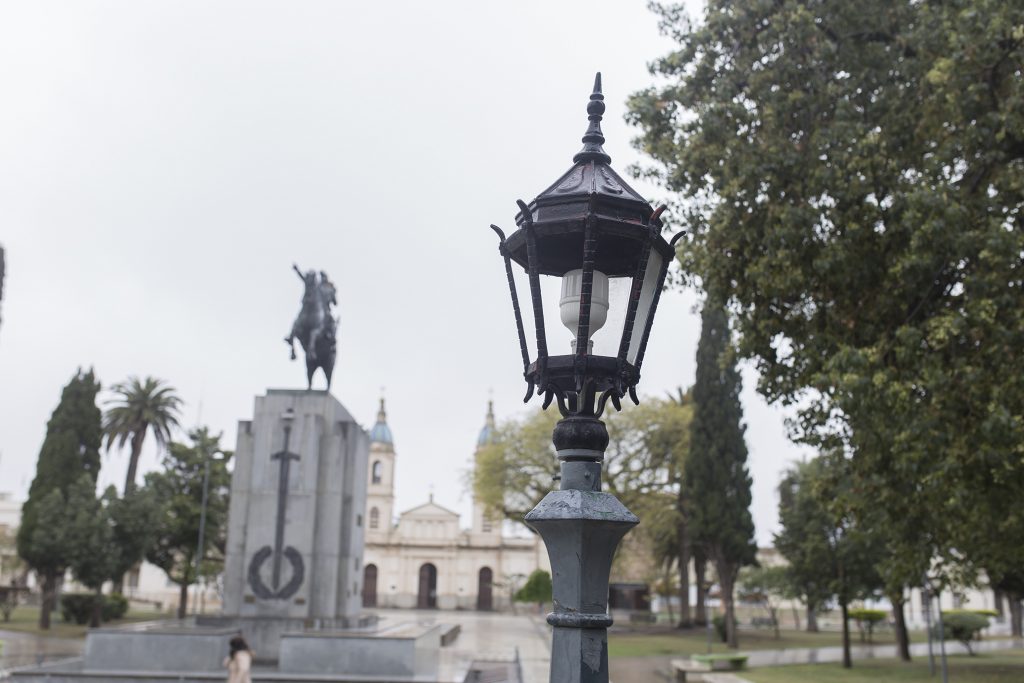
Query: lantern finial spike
(594,138)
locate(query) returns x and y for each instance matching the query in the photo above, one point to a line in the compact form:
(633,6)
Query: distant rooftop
(487,434)
(381,433)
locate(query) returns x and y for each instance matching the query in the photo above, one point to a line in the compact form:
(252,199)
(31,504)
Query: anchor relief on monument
(279,553)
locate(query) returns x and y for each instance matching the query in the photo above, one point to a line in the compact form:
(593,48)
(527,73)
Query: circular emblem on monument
(276,591)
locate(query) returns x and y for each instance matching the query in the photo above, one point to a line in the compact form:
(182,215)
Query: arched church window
(374,518)
(378,471)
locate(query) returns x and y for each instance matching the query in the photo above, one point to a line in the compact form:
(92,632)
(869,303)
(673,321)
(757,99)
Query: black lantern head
(603,240)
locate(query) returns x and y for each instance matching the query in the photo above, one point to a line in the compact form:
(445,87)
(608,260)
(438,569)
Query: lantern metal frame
(609,228)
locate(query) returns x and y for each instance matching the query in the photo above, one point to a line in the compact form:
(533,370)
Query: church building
(427,560)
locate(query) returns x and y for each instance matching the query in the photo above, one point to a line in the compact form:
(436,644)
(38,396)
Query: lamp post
(603,240)
(200,543)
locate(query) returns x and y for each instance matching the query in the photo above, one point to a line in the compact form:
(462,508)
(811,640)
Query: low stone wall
(405,650)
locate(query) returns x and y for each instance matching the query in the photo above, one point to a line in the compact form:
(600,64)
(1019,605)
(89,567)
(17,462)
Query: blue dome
(381,433)
(487,434)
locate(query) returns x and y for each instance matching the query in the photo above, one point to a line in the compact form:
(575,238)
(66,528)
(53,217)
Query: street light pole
(591,231)
(202,527)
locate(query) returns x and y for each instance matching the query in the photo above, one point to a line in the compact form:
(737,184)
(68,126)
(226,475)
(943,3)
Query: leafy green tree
(717,482)
(536,589)
(803,541)
(516,468)
(851,176)
(643,467)
(93,551)
(766,586)
(105,536)
(178,492)
(831,552)
(70,449)
(140,407)
(133,518)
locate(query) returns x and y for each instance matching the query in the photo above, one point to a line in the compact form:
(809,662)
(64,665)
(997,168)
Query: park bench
(722,662)
(681,668)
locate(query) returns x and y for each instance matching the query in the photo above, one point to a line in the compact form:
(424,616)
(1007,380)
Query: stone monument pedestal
(296,527)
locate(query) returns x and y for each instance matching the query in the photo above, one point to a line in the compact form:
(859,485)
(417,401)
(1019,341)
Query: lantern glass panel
(610,297)
(643,310)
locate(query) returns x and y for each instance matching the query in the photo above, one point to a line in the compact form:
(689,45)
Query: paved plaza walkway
(25,649)
(495,636)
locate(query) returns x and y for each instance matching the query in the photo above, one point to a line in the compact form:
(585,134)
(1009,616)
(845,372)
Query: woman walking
(239,662)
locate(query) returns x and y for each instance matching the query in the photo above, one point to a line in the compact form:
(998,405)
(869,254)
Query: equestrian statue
(316,327)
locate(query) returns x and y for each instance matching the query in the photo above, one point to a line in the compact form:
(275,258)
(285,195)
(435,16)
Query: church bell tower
(380,490)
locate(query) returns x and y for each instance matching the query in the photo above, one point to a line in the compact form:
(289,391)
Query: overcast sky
(162,165)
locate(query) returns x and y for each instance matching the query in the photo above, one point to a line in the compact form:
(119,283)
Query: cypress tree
(71,448)
(716,477)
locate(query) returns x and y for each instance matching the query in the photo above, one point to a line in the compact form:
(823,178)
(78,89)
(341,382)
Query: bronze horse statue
(316,327)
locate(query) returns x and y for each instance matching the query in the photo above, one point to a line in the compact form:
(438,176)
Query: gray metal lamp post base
(581,527)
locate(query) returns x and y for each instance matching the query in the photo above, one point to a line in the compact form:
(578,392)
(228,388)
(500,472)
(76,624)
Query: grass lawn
(26,620)
(671,642)
(989,667)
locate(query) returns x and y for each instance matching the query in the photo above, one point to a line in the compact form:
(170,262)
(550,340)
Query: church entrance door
(370,585)
(484,596)
(427,596)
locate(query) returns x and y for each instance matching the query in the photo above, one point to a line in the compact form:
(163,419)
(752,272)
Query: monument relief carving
(279,552)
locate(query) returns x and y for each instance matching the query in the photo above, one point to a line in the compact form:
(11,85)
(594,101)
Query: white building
(427,560)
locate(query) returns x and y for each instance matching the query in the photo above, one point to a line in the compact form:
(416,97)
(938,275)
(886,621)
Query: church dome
(487,434)
(381,433)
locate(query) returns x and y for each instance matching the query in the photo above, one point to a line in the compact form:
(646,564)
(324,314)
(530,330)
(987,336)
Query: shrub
(536,589)
(77,607)
(115,606)
(866,620)
(719,621)
(962,625)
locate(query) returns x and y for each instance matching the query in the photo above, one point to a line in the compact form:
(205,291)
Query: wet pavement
(27,649)
(493,636)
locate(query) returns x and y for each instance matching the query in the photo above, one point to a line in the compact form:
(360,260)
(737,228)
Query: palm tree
(141,406)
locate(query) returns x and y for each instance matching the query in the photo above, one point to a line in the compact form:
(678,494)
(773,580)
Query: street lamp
(603,240)
(200,542)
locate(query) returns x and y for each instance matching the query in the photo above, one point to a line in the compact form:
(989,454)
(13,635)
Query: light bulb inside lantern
(569,303)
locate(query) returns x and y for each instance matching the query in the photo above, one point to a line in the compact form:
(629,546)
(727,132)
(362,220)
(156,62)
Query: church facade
(427,560)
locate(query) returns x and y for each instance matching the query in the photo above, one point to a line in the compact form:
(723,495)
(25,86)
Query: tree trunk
(774,612)
(997,596)
(902,635)
(48,586)
(1016,614)
(847,660)
(796,616)
(182,600)
(133,461)
(812,618)
(668,594)
(726,584)
(683,538)
(97,609)
(700,571)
